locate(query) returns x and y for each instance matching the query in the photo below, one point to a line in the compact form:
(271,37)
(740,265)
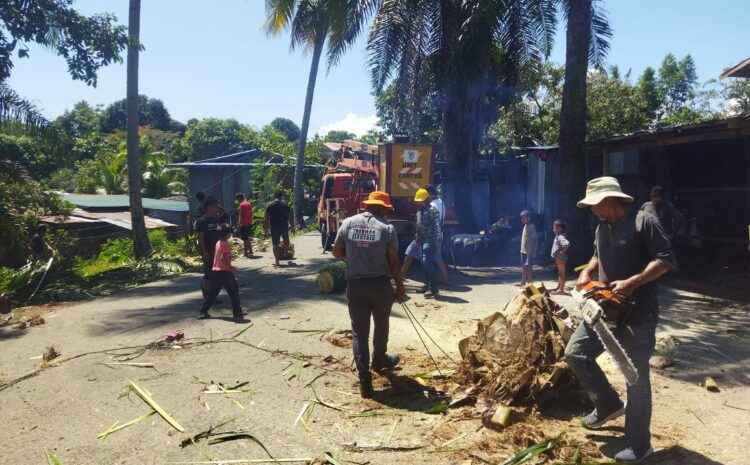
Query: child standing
(223,276)
(529,243)
(560,247)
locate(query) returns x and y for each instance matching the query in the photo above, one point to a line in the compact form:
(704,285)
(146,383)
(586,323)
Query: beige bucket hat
(599,189)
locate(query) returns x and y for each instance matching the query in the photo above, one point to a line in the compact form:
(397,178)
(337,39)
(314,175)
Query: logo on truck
(410,170)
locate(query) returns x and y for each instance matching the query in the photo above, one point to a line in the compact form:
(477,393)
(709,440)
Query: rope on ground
(411,314)
(411,320)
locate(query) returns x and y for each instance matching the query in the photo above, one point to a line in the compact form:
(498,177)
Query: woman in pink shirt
(223,276)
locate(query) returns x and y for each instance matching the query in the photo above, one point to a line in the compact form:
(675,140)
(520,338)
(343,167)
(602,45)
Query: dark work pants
(638,341)
(226,280)
(369,296)
(429,266)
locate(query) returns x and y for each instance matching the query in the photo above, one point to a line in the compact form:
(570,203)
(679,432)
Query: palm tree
(471,53)
(586,42)
(141,245)
(17,112)
(474,54)
(311,23)
(113,173)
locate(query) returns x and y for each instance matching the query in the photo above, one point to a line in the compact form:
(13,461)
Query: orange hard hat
(379,198)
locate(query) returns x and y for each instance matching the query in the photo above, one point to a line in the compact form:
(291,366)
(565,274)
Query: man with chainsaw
(631,252)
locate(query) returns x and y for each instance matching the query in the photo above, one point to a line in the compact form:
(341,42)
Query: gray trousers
(369,297)
(638,340)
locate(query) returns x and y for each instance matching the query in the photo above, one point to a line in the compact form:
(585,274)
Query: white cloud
(359,125)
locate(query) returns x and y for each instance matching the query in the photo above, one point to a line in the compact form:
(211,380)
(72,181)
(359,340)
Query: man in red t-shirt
(245,223)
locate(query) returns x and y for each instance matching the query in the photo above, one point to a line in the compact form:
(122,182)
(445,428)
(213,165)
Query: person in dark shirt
(279,220)
(200,197)
(206,230)
(671,219)
(38,246)
(631,252)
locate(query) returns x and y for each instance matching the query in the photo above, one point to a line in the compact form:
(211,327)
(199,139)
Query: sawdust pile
(516,356)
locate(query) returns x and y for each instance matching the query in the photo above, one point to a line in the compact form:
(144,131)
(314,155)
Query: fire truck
(398,169)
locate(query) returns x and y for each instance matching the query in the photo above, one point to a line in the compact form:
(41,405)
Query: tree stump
(332,278)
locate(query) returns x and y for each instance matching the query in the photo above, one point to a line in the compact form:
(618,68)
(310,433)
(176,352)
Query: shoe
(432,293)
(203,316)
(423,289)
(365,388)
(385,362)
(629,456)
(595,420)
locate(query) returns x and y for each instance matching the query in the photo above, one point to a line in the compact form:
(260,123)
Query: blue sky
(212,59)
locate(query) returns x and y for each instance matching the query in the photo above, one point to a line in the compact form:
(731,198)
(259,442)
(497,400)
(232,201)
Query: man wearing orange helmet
(369,244)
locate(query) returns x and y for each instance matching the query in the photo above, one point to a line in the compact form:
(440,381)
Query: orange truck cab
(398,169)
(342,191)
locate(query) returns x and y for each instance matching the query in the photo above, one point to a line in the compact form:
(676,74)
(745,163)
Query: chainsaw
(602,308)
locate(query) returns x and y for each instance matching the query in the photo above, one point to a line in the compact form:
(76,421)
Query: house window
(623,162)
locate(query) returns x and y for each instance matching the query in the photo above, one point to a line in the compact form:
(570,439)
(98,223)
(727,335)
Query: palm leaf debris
(150,401)
(117,427)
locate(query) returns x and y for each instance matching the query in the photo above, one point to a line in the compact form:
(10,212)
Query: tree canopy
(338,136)
(152,113)
(286,126)
(85,42)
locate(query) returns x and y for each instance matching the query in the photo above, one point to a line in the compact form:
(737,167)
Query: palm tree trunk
(573,119)
(320,39)
(141,245)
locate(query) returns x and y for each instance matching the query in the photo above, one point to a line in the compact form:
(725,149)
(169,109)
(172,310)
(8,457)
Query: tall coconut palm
(470,52)
(473,53)
(587,31)
(141,245)
(311,23)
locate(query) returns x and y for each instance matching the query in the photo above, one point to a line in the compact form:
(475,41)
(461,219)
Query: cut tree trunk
(299,196)
(516,356)
(141,245)
(573,121)
(332,278)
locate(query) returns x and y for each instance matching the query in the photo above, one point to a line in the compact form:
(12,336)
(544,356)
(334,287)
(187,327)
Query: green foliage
(614,106)
(81,122)
(651,93)
(86,42)
(420,121)
(678,81)
(152,112)
(22,202)
(18,115)
(27,153)
(287,127)
(213,137)
(338,136)
(737,92)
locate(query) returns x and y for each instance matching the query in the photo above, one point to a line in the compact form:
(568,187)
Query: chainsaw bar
(592,314)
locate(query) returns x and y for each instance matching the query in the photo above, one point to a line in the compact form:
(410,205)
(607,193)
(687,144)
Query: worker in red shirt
(245,223)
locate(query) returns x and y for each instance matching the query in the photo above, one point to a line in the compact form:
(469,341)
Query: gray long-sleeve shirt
(671,219)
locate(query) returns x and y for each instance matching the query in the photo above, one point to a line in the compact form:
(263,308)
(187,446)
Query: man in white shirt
(438,204)
(414,253)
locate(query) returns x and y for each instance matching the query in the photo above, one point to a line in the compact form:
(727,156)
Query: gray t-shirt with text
(368,239)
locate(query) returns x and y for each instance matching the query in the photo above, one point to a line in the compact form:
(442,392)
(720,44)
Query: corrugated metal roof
(122,201)
(741,70)
(121,219)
